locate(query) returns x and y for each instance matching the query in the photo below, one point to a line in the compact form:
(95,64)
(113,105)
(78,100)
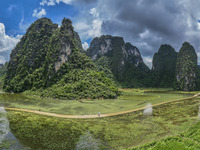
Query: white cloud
(85,45)
(2,60)
(53,2)
(11,7)
(89,26)
(148,61)
(143,23)
(22,25)
(94,12)
(18,36)
(82,26)
(2,30)
(38,13)
(95,30)
(48,3)
(7,43)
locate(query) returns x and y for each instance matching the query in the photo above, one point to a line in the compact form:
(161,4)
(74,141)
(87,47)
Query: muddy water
(7,139)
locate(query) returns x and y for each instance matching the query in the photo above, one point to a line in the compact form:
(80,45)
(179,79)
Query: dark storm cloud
(160,20)
(150,23)
(84,4)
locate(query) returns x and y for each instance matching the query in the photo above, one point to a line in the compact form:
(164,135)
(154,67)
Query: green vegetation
(119,60)
(117,132)
(4,145)
(163,70)
(28,55)
(47,62)
(123,63)
(171,143)
(80,81)
(44,132)
(104,65)
(188,140)
(187,71)
(131,99)
(3,69)
(2,74)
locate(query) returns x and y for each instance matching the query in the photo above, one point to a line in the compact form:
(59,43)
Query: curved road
(95,116)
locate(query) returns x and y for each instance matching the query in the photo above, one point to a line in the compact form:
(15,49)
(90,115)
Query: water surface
(128,101)
(7,139)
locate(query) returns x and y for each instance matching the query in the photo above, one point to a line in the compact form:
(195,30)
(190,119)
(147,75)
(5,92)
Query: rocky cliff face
(187,71)
(48,58)
(126,62)
(163,67)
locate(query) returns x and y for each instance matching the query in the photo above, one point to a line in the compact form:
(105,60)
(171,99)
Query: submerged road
(96,116)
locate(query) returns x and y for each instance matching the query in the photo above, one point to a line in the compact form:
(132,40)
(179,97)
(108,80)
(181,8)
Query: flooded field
(118,132)
(19,129)
(131,99)
(7,139)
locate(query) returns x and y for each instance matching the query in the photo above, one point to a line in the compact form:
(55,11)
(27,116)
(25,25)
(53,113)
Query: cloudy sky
(145,23)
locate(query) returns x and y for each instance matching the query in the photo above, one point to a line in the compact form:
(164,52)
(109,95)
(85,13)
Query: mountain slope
(163,67)
(47,62)
(123,60)
(187,71)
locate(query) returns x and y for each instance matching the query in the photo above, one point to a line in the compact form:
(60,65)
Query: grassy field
(119,132)
(188,140)
(131,99)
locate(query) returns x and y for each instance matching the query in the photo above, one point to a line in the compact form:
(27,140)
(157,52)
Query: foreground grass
(189,140)
(131,99)
(119,132)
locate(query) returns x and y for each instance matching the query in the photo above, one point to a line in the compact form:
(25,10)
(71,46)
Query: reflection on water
(145,125)
(148,110)
(6,136)
(4,124)
(87,141)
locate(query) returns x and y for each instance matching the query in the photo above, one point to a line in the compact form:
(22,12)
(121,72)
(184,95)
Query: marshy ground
(117,132)
(131,99)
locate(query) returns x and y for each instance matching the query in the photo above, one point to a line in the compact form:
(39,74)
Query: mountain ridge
(123,58)
(163,66)
(46,55)
(47,62)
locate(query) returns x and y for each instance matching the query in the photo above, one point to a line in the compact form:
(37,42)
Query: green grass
(131,99)
(188,140)
(119,132)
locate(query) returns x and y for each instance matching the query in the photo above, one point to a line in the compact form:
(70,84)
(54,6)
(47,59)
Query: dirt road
(95,116)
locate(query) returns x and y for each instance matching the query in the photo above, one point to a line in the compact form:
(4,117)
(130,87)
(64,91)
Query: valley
(58,93)
(116,132)
(129,100)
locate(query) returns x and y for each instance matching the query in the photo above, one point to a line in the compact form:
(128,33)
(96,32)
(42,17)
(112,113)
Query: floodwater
(128,101)
(171,114)
(7,138)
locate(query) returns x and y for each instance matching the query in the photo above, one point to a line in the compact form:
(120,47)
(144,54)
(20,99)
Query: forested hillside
(48,62)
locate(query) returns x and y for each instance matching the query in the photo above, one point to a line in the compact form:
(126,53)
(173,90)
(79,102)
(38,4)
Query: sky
(146,24)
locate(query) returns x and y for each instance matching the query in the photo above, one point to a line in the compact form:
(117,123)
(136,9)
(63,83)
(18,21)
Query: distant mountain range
(123,62)
(123,59)
(50,61)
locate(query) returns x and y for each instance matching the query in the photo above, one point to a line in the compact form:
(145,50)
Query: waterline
(6,135)
(4,124)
